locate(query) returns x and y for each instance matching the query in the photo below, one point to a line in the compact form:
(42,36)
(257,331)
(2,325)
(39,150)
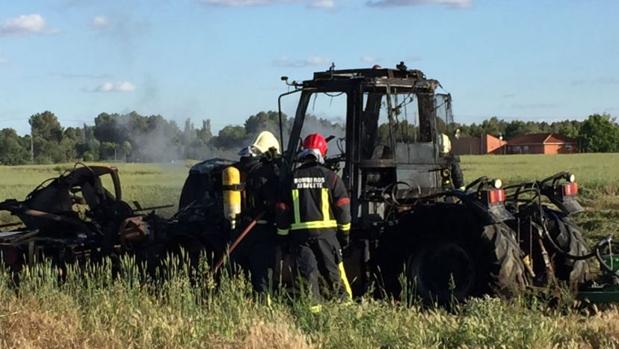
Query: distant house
(541,143)
(534,143)
(488,144)
(492,145)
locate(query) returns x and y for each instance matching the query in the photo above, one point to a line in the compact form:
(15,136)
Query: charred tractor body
(407,217)
(416,230)
(68,218)
(411,215)
(73,218)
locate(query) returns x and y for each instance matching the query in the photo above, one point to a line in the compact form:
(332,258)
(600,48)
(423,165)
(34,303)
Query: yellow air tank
(231,180)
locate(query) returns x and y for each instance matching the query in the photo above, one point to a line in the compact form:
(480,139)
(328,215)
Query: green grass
(591,170)
(96,310)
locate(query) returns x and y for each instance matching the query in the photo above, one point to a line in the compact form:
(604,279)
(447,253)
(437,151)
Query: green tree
(107,129)
(493,126)
(263,121)
(126,149)
(205,134)
(108,151)
(47,136)
(567,128)
(12,150)
(87,148)
(230,137)
(599,133)
(517,128)
(46,126)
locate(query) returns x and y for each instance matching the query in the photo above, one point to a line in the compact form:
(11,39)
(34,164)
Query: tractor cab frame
(396,134)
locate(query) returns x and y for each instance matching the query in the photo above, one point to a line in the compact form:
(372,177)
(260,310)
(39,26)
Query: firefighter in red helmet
(314,214)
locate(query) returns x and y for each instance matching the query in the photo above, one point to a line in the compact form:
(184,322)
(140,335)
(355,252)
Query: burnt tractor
(74,218)
(416,230)
(67,218)
(408,219)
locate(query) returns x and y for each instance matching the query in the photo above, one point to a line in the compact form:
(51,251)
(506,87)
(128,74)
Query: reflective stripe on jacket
(315,201)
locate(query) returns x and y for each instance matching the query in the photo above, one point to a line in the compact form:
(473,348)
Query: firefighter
(259,165)
(315,216)
(455,176)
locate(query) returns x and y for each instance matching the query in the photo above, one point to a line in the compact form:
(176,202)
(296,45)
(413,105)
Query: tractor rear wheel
(442,271)
(504,272)
(569,237)
(464,265)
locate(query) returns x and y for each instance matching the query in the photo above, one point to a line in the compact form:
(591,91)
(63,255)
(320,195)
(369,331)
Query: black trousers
(315,257)
(257,255)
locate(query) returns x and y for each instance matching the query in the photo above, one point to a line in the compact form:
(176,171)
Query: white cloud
(392,3)
(322,4)
(121,86)
(100,22)
(602,80)
(300,63)
(69,75)
(238,3)
(24,24)
(368,60)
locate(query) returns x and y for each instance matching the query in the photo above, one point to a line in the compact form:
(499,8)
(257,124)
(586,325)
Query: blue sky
(222,59)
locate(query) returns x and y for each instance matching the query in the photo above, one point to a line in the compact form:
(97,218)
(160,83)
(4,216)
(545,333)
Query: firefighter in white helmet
(455,177)
(259,165)
(264,143)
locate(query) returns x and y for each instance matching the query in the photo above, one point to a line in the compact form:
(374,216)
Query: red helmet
(316,141)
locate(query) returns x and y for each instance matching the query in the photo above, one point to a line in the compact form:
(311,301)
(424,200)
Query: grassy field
(98,311)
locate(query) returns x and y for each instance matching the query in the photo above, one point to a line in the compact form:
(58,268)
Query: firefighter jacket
(261,188)
(314,202)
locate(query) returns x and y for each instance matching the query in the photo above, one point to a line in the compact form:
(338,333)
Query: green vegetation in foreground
(98,311)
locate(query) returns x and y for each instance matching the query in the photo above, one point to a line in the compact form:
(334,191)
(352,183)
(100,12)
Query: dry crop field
(98,311)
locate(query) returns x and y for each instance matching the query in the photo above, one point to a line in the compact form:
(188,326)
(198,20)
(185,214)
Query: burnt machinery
(413,232)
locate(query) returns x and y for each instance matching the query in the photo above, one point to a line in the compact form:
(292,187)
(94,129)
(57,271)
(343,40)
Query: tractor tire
(505,273)
(442,271)
(455,269)
(568,236)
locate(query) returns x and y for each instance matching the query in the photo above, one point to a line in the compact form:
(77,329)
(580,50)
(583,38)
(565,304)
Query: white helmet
(444,144)
(265,141)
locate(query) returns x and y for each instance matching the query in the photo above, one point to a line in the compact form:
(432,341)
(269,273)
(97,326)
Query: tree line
(139,138)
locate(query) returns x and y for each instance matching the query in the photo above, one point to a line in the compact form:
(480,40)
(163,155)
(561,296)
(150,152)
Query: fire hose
(595,253)
(555,246)
(238,240)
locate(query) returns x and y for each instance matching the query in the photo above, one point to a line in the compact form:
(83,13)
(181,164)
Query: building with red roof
(541,143)
(487,144)
(533,143)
